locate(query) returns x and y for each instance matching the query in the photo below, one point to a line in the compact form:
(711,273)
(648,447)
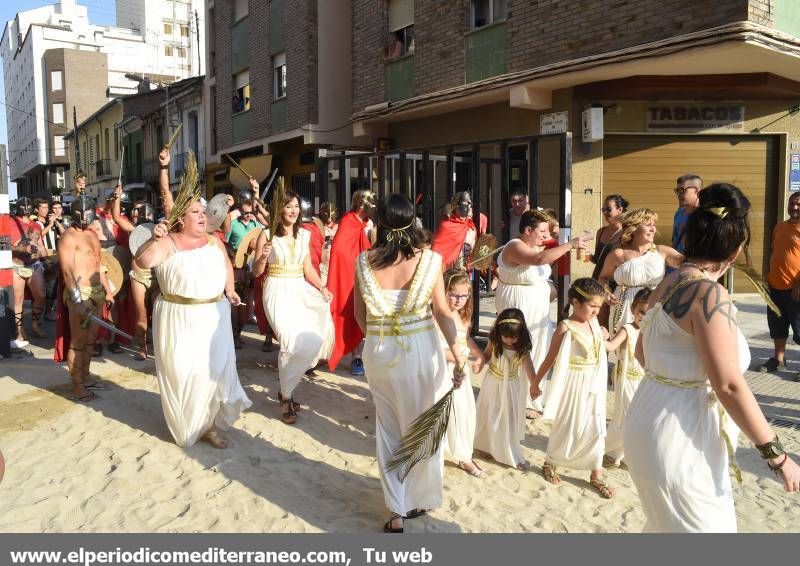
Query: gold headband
(719,211)
(456,274)
(509,321)
(584,294)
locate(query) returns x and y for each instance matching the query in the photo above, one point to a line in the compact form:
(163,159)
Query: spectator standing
(784,285)
(687,189)
(519,205)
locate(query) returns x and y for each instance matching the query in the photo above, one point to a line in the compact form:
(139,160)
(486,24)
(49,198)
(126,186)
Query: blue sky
(101,12)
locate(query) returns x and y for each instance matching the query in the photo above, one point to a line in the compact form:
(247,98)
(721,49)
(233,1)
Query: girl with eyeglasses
(461,427)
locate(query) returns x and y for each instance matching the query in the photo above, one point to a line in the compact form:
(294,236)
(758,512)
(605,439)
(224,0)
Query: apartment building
(55,60)
(679,86)
(277,87)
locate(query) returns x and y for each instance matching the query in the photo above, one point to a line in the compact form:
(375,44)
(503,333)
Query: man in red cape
(456,231)
(350,240)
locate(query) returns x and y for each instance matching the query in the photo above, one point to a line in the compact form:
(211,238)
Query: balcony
(486,52)
(102,169)
(399,76)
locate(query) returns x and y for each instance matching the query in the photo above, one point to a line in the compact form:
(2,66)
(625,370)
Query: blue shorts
(790,316)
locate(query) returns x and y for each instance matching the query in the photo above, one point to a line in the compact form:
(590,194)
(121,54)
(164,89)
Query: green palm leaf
(423,437)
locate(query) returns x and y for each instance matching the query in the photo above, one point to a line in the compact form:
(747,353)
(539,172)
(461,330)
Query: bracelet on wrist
(771,449)
(777,467)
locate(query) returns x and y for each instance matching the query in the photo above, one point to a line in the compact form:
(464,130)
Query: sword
(268,186)
(121,163)
(107,325)
(239,167)
(172,139)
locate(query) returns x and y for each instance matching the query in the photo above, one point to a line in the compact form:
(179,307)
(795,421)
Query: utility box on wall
(592,120)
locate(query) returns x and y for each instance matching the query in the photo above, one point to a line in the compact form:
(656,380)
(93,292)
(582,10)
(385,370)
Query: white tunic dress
(675,448)
(297,312)
(527,288)
(193,343)
(501,409)
(576,400)
(406,369)
(646,270)
(461,426)
(628,375)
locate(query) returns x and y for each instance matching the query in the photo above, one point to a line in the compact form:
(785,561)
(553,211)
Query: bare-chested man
(85,290)
(27,249)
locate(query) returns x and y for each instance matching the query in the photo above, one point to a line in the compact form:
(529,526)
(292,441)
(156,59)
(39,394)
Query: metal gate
(430,176)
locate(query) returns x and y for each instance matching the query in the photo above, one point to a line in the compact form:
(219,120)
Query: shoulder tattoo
(711,299)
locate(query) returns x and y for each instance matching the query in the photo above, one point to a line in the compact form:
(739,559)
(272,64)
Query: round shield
(482,252)
(242,252)
(113,269)
(123,256)
(216,210)
(140,234)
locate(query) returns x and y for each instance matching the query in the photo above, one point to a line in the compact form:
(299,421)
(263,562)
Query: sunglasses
(457,297)
(682,190)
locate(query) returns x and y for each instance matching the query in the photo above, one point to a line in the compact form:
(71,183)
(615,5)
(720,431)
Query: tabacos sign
(695,117)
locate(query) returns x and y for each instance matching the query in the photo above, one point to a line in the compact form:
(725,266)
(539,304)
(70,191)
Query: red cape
(350,240)
(449,238)
(315,245)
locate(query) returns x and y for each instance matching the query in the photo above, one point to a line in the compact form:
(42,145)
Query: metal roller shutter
(643,169)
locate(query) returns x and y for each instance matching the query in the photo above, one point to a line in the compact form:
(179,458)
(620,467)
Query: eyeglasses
(456,297)
(682,190)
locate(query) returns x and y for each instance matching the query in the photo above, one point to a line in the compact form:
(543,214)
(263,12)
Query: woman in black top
(607,240)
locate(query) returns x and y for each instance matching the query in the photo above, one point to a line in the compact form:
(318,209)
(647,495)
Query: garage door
(643,169)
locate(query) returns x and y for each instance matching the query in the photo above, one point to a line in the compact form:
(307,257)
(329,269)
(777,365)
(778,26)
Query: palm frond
(276,207)
(423,437)
(188,192)
(755,279)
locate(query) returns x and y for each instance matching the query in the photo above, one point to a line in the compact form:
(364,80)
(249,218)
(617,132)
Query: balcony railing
(150,170)
(103,169)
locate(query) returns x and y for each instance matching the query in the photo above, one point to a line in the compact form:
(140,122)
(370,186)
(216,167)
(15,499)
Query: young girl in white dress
(628,374)
(501,402)
(461,427)
(576,394)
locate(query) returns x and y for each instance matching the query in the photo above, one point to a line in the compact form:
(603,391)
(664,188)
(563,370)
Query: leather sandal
(388,528)
(602,487)
(296,404)
(289,415)
(550,474)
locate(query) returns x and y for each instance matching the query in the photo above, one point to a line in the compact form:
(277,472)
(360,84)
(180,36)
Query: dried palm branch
(423,437)
(172,138)
(755,279)
(276,207)
(188,192)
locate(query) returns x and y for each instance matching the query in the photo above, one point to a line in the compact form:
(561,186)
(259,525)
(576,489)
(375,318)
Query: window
(240,9)
(58,146)
(168,50)
(181,52)
(485,12)
(241,92)
(60,178)
(116,144)
(279,66)
(401,28)
(107,145)
(167,28)
(58,113)
(56,82)
(184,31)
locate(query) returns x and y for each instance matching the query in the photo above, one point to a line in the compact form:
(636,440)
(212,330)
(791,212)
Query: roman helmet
(363,198)
(306,214)
(24,207)
(461,204)
(82,211)
(328,212)
(245,195)
(145,213)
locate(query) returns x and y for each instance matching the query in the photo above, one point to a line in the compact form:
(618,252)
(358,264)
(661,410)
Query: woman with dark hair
(606,241)
(295,301)
(523,270)
(397,283)
(681,429)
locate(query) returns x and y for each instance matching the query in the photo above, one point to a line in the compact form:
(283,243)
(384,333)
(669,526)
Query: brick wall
(301,62)
(539,32)
(761,12)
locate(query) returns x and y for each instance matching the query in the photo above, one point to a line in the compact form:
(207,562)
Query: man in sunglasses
(687,190)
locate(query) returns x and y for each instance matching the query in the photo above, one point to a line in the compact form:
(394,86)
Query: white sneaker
(19,344)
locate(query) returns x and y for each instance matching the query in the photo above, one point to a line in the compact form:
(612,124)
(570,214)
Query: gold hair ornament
(583,293)
(718,211)
(400,234)
(509,321)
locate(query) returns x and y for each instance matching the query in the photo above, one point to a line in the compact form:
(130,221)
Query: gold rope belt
(277,270)
(712,400)
(177,299)
(582,363)
(518,284)
(513,371)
